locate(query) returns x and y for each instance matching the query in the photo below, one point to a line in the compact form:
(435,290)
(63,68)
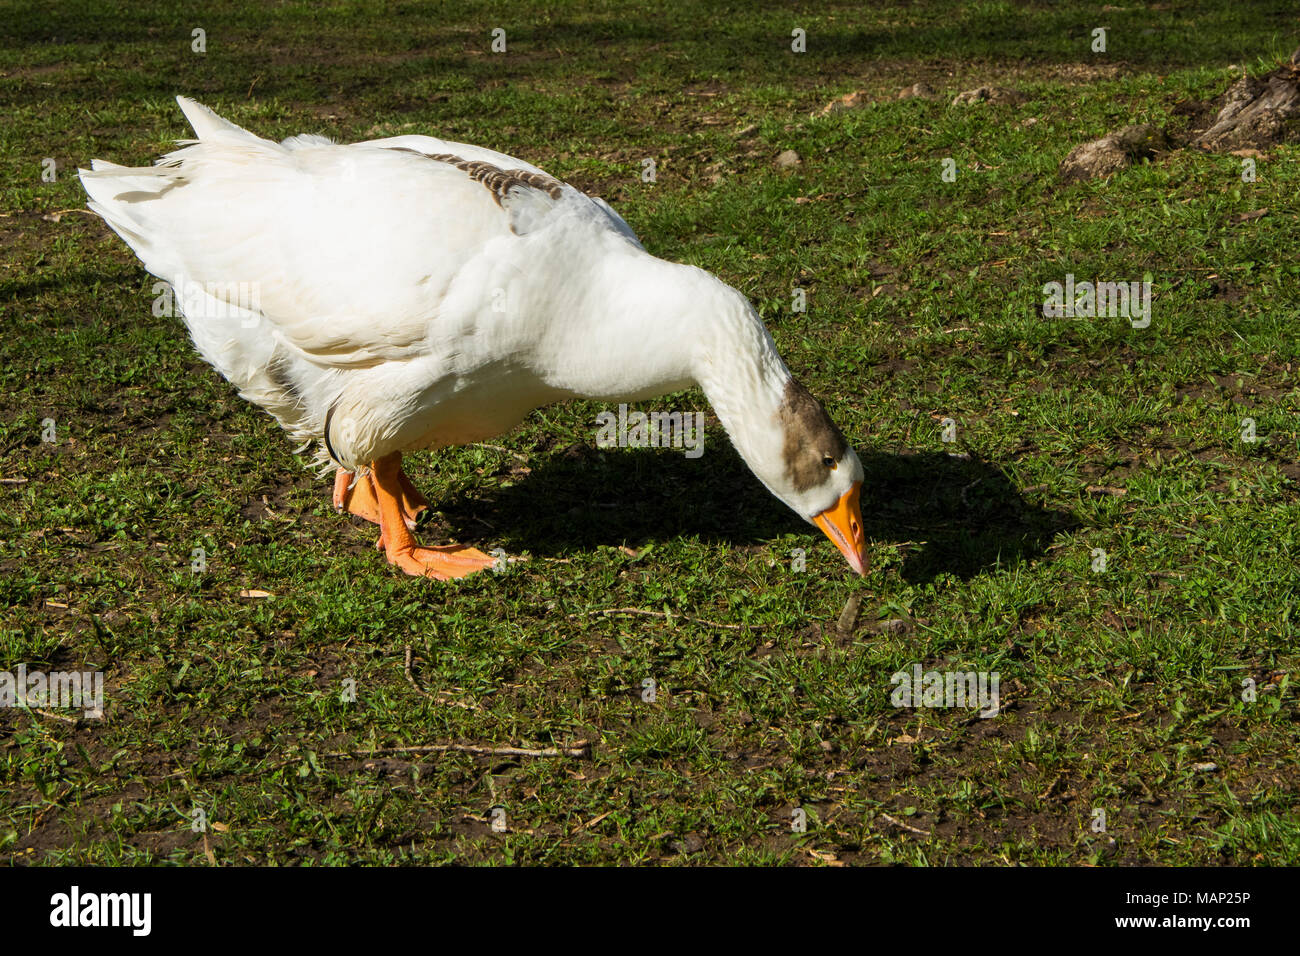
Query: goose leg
(358,497)
(452,561)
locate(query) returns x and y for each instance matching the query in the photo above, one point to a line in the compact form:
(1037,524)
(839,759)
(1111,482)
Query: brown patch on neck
(498,181)
(810,435)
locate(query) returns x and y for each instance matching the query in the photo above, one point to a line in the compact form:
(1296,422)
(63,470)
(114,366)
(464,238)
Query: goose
(412,293)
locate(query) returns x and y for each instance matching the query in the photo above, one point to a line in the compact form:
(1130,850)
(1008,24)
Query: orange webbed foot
(357,495)
(442,562)
(394,503)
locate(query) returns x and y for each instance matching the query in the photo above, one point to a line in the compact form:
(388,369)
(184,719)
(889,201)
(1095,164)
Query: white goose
(411,293)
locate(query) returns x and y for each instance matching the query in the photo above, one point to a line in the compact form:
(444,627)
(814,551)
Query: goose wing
(347,252)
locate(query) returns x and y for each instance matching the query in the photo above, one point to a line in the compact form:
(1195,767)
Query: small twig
(903,826)
(410,679)
(50,805)
(592,822)
(479,444)
(581,748)
(487,524)
(45,713)
(60,213)
(26,705)
(14,481)
(823,856)
(685,617)
(1106,490)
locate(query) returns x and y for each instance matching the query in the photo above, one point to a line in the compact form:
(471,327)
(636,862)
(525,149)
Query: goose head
(778,427)
(803,459)
(820,474)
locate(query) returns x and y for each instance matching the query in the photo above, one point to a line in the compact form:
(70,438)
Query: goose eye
(829,462)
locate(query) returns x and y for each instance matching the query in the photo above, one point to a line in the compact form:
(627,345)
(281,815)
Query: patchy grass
(1121,689)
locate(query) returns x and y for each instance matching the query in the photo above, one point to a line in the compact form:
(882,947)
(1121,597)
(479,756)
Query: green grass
(1119,687)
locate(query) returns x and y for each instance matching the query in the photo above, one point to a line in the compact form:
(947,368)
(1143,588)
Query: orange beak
(842,523)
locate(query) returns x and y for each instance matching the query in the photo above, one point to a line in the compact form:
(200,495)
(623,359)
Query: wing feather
(348,251)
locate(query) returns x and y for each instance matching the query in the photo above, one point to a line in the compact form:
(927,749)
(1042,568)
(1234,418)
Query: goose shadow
(964,516)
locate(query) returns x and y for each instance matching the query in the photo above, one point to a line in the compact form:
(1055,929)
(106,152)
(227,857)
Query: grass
(1122,689)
